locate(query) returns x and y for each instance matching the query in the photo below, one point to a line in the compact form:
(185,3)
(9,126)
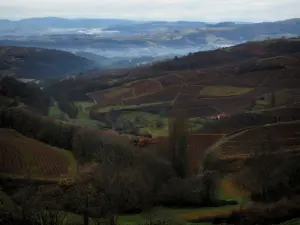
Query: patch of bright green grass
(292,222)
(148,122)
(156,132)
(262,102)
(87,122)
(55,112)
(223,195)
(174,214)
(83,109)
(121,107)
(188,31)
(83,117)
(195,214)
(130,219)
(229,190)
(115,92)
(223,90)
(171,214)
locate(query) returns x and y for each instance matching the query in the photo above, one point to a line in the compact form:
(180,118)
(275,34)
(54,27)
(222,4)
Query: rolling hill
(26,158)
(284,137)
(37,63)
(251,76)
(16,92)
(260,79)
(132,43)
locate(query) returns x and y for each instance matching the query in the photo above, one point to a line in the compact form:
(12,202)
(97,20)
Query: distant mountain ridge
(128,40)
(56,22)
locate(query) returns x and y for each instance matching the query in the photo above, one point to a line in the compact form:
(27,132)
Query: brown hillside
(228,87)
(234,54)
(282,136)
(219,67)
(23,157)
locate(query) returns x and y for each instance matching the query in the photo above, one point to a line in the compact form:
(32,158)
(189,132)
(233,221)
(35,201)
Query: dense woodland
(28,94)
(40,63)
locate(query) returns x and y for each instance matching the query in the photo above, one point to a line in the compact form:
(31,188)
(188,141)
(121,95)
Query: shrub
(275,213)
(159,216)
(194,191)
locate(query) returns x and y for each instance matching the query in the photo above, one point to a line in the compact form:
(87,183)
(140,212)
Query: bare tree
(81,198)
(262,167)
(178,134)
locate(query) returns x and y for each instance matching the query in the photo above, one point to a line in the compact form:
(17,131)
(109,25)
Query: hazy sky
(199,10)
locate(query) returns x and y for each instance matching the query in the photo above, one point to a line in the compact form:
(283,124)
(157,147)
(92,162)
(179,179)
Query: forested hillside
(38,63)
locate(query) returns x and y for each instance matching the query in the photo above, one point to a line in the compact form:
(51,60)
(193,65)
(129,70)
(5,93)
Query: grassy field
(148,123)
(262,102)
(179,216)
(56,113)
(203,213)
(292,222)
(155,132)
(86,122)
(228,190)
(114,92)
(216,91)
(196,124)
(82,118)
(188,31)
(83,109)
(120,107)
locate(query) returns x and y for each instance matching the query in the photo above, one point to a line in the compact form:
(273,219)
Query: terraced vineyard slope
(285,138)
(267,76)
(23,158)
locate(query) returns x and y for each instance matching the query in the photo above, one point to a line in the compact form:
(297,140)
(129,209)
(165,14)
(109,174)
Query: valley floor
(227,191)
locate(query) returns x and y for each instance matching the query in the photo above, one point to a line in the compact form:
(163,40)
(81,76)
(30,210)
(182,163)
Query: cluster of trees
(135,126)
(39,63)
(178,142)
(271,173)
(28,94)
(83,142)
(75,89)
(125,126)
(69,108)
